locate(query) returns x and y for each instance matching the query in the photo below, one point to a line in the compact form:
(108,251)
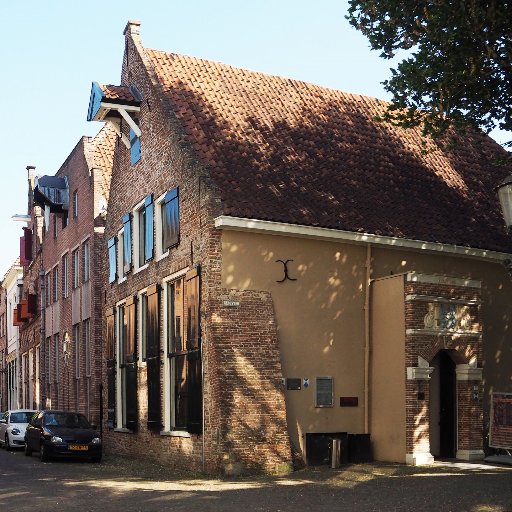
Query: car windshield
(69,420)
(21,417)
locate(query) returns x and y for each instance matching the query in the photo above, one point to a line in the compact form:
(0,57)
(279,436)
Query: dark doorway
(447,405)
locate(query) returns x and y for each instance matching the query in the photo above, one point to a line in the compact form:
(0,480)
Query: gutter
(328,234)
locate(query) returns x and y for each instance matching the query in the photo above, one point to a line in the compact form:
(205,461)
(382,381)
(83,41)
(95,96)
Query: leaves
(458,69)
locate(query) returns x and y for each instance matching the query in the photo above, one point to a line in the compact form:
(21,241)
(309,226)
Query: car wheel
(7,444)
(43,453)
(28,450)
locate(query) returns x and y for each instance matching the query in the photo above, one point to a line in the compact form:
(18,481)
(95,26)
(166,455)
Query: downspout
(42,331)
(367,338)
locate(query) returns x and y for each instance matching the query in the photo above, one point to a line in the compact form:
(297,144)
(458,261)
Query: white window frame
(77,332)
(120,378)
(158,229)
(87,346)
(121,276)
(135,238)
(65,275)
(48,289)
(86,260)
(56,342)
(168,384)
(55,283)
(75,263)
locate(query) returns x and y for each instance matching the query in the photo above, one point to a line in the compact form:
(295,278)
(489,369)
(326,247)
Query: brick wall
(240,364)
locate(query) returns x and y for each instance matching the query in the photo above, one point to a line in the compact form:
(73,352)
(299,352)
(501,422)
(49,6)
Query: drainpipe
(19,369)
(367,338)
(42,330)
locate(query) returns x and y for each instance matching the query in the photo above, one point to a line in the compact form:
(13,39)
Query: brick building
(3,349)
(61,332)
(284,269)
(12,286)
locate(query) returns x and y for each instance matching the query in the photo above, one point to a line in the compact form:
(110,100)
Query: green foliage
(458,68)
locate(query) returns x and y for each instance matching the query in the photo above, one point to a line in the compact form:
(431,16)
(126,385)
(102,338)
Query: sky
(51,51)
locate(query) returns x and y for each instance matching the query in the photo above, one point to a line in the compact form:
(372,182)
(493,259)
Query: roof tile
(290,151)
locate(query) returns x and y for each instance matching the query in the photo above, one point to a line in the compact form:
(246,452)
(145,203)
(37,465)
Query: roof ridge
(270,75)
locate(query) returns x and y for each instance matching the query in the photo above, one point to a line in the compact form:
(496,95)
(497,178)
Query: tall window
(76,268)
(65,219)
(76,340)
(112,260)
(183,349)
(75,204)
(65,275)
(126,409)
(48,289)
(55,284)
(127,243)
(145,244)
(170,216)
(56,344)
(87,347)
(86,260)
(111,366)
(143,325)
(49,374)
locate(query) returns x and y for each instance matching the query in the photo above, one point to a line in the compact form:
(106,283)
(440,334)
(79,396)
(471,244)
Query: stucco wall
(320,319)
(387,382)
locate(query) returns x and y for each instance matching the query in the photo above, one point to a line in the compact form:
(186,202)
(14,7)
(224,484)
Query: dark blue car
(62,434)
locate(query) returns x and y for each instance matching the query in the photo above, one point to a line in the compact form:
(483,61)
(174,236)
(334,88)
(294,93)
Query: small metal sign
(231,303)
(349,401)
(305,383)
(293,384)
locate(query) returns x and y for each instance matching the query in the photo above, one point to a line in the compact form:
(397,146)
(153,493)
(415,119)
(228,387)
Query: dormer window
(111,103)
(52,194)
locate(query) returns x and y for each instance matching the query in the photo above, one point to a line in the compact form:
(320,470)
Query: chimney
(132,28)
(31,174)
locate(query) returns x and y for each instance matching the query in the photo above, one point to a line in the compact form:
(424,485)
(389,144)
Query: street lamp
(504,190)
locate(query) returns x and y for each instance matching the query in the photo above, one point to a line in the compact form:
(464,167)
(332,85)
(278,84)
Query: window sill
(123,430)
(175,433)
(162,256)
(122,280)
(140,269)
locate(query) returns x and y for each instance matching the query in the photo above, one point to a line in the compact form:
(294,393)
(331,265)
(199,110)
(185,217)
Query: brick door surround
(442,314)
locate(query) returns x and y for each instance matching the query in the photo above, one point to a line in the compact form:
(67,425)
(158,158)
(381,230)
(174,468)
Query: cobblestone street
(128,485)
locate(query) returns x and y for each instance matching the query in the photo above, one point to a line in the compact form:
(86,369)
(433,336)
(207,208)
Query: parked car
(62,434)
(12,427)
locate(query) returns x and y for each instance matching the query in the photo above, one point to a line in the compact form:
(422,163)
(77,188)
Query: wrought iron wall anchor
(285,270)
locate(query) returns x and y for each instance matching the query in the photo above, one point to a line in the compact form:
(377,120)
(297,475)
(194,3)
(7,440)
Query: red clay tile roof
(288,151)
(118,93)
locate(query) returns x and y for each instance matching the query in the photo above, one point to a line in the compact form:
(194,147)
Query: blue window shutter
(149,228)
(112,259)
(170,220)
(135,147)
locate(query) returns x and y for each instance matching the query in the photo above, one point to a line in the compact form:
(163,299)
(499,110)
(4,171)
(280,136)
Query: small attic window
(134,147)
(113,103)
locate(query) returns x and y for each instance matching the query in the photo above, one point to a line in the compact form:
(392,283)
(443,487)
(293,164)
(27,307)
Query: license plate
(78,447)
